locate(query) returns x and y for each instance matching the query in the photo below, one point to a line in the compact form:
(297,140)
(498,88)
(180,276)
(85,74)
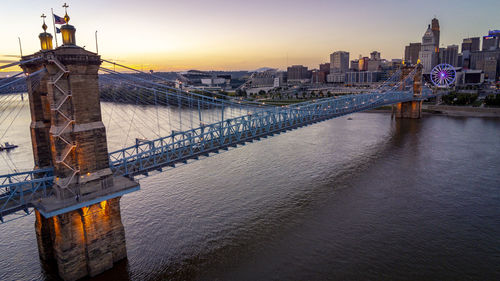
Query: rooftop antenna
(20,47)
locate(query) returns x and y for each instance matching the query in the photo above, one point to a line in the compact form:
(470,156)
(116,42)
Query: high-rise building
(428,51)
(264,78)
(339,62)
(374,65)
(435,33)
(460,62)
(471,44)
(375,55)
(411,52)
(488,61)
(492,40)
(325,67)
(355,65)
(318,76)
(363,64)
(298,73)
(449,55)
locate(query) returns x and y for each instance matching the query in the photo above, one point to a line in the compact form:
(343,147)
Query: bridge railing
(19,190)
(190,144)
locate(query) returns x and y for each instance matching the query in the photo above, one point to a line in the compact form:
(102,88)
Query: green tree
(492,100)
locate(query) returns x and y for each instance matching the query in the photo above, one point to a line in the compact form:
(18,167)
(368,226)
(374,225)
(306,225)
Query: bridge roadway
(22,190)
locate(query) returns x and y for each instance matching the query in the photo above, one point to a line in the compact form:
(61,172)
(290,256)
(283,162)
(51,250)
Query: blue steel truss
(182,146)
(19,191)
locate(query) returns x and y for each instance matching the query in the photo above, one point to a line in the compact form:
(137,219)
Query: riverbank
(464,111)
(448,110)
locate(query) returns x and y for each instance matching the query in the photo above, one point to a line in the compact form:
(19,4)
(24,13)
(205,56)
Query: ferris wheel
(443,75)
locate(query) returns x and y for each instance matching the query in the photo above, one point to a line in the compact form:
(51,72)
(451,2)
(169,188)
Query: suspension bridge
(77,99)
(199,123)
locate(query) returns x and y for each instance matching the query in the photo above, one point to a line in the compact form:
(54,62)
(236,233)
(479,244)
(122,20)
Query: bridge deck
(22,193)
(178,148)
(51,206)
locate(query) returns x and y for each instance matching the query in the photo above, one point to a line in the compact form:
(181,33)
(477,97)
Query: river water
(364,199)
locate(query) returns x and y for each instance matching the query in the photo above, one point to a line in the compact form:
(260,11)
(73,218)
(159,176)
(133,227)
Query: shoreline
(455,111)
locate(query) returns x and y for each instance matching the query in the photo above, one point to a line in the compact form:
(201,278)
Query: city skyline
(224,35)
(201,141)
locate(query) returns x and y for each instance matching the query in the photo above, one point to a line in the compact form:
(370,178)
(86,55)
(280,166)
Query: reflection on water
(362,199)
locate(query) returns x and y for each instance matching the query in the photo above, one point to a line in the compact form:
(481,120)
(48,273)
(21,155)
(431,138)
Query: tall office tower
(435,32)
(355,65)
(325,67)
(297,73)
(471,44)
(411,52)
(428,54)
(492,40)
(339,62)
(449,55)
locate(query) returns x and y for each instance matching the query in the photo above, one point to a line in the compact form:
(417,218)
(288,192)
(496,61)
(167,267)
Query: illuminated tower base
(409,110)
(83,242)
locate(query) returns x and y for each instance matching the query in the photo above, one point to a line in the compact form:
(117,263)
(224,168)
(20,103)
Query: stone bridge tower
(411,109)
(79,226)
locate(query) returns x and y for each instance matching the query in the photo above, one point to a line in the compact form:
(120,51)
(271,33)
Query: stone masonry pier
(79,226)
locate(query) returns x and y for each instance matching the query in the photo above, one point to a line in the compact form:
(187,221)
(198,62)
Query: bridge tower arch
(79,226)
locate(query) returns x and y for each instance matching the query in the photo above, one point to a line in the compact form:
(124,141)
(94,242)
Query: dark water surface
(363,199)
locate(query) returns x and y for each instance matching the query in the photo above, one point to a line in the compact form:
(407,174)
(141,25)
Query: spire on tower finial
(45,38)
(44,26)
(67,30)
(66,17)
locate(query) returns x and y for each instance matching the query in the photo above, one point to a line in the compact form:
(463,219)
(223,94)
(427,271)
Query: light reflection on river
(362,199)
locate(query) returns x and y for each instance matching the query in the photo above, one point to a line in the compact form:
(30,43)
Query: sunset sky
(243,35)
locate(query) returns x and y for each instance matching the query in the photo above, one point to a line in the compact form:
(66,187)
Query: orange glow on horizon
(239,35)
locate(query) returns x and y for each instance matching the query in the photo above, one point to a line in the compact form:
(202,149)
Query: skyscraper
(363,64)
(428,52)
(355,65)
(325,67)
(298,73)
(435,32)
(488,61)
(449,55)
(411,52)
(339,62)
(492,40)
(471,44)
